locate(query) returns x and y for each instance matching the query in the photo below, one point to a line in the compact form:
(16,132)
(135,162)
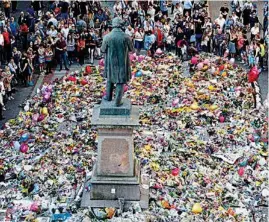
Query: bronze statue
(116,46)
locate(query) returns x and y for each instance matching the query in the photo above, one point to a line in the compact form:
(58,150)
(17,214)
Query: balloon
(102,62)
(221,119)
(138,74)
(194,60)
(45,111)
(24,148)
(72,78)
(159,51)
(253,75)
(206,61)
(84,82)
(232,61)
(46,97)
(41,117)
(221,67)
(175,102)
(88,69)
(175,172)
(16,145)
(212,70)
(35,117)
(49,88)
(125,88)
(194,106)
(131,57)
(34,207)
(213,107)
(200,65)
(256,138)
(24,137)
(241,171)
(197,208)
(140,58)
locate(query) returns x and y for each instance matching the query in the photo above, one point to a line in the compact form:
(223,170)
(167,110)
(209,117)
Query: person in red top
(24,30)
(7,45)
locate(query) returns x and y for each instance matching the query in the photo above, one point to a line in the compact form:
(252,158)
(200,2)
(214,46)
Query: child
(169,40)
(7,82)
(2,93)
(41,58)
(48,59)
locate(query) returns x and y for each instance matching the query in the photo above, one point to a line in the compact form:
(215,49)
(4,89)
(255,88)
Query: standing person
(246,15)
(14,5)
(7,5)
(7,83)
(61,49)
(138,40)
(7,45)
(224,10)
(2,93)
(2,42)
(48,58)
(70,48)
(41,58)
(81,44)
(187,7)
(14,27)
(163,7)
(91,44)
(174,3)
(24,30)
(262,53)
(25,68)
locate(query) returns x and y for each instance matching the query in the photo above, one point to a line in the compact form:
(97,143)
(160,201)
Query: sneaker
(4,108)
(66,69)
(11,97)
(31,83)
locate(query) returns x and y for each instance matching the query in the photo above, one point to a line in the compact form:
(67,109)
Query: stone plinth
(116,174)
(107,108)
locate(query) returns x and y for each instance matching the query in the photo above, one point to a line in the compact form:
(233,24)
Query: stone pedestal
(116,175)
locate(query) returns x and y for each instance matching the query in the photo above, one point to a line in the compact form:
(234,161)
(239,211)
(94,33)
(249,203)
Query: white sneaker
(11,97)
(4,108)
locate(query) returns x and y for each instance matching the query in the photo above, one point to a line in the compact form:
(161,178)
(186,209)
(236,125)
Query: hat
(117,22)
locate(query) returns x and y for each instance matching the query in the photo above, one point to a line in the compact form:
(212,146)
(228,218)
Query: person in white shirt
(1,47)
(220,21)
(53,20)
(13,67)
(65,31)
(52,32)
(135,4)
(178,10)
(130,31)
(138,40)
(151,12)
(255,30)
(2,93)
(234,17)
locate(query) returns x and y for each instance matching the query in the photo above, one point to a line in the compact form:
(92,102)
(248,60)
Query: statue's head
(117,23)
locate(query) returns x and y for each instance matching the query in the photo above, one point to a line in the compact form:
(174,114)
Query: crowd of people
(54,33)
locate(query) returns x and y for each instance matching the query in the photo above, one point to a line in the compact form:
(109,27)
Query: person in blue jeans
(61,49)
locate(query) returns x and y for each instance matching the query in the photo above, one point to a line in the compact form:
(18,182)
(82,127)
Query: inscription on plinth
(114,156)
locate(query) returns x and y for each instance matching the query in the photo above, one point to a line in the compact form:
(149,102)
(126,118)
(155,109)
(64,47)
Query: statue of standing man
(116,46)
